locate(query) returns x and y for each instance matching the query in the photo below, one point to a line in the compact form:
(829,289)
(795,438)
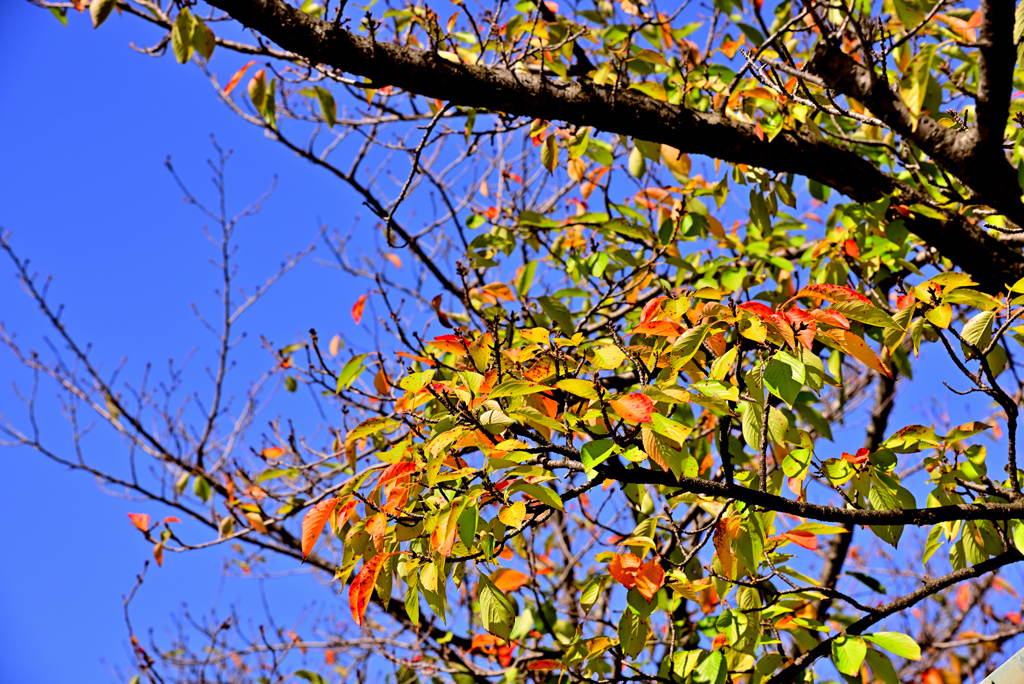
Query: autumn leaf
(832,293)
(442,318)
(508,579)
(544,664)
(313,524)
(449,343)
(140,520)
(395,260)
(858,348)
(649,579)
(633,408)
(357,309)
(963,597)
(236,78)
(513,515)
(362,586)
(802,538)
(623,569)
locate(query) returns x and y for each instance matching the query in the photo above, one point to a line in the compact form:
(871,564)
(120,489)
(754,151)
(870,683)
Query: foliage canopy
(598,444)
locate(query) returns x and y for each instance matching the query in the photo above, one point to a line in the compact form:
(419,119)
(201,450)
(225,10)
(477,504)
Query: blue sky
(88,124)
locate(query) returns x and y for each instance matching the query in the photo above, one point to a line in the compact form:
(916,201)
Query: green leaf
(713,670)
(848,653)
(592,591)
(882,667)
(633,633)
(203,39)
(545,495)
(98,9)
(865,313)
(181,36)
(328,108)
(597,452)
(201,488)
(559,313)
(517,388)
(350,372)
(497,611)
(784,377)
(637,165)
(897,643)
(869,581)
(290,383)
(311,677)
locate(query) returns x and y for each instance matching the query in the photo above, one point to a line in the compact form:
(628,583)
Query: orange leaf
(362,586)
(802,538)
(832,293)
(394,259)
(975,20)
(443,538)
(658,329)
(507,579)
(758,131)
(719,641)
(170,519)
(623,568)
(860,457)
(649,579)
(651,309)
(963,597)
(140,520)
(271,453)
(501,291)
(449,343)
(236,78)
(857,348)
(932,676)
(851,248)
(158,554)
(313,524)
(633,408)
(357,309)
(393,472)
(546,663)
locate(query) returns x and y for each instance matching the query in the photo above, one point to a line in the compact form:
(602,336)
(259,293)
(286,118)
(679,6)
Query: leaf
(258,89)
(848,653)
(497,611)
(513,515)
(548,497)
(870,582)
(329,111)
(181,36)
(594,453)
(784,377)
(236,78)
(857,348)
(633,408)
(313,523)
(140,520)
(940,316)
(99,10)
(677,162)
(549,154)
(649,579)
(544,664)
(633,633)
(559,313)
(350,371)
(802,538)
(507,579)
(516,388)
(865,313)
(357,309)
(203,39)
(362,586)
(580,388)
(832,293)
(623,569)
(895,642)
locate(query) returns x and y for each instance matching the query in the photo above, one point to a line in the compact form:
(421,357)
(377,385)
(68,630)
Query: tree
(599,441)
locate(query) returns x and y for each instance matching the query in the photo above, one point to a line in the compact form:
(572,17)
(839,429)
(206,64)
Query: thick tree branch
(630,112)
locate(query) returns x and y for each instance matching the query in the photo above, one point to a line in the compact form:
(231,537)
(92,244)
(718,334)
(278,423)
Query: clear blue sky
(87,124)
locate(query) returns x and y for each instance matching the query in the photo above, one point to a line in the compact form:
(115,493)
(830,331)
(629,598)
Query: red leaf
(634,408)
(903,301)
(859,457)
(932,676)
(362,586)
(236,78)
(623,568)
(832,293)
(851,248)
(441,317)
(758,131)
(649,579)
(963,597)
(651,309)
(449,343)
(313,524)
(830,318)
(170,519)
(719,641)
(1013,617)
(757,308)
(546,663)
(507,579)
(393,472)
(658,329)
(975,20)
(140,520)
(802,538)
(357,309)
